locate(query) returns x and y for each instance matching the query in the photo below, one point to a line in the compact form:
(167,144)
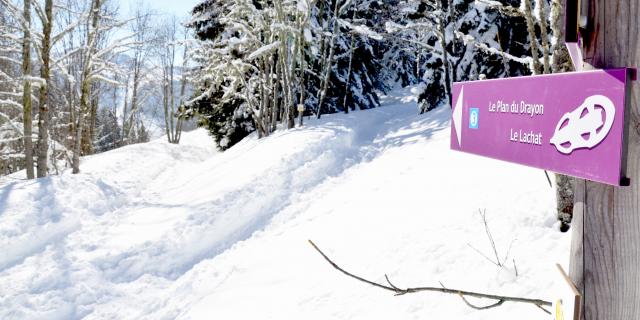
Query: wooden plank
(575,295)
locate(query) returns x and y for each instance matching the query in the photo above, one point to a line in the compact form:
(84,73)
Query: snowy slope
(157,231)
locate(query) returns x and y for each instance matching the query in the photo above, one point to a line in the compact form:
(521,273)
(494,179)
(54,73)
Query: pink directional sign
(570,123)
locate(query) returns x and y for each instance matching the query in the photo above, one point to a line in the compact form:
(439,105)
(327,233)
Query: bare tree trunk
(560,63)
(87,144)
(560,58)
(303,70)
(264,95)
(84,101)
(533,40)
(346,89)
(452,21)
(171,72)
(134,104)
(172,104)
(165,105)
(323,40)
(287,83)
(445,60)
(26,93)
(542,12)
(505,61)
(329,62)
(124,111)
(183,86)
(351,48)
(277,100)
(43,115)
(85,94)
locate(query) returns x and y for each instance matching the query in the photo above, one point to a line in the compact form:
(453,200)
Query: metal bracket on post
(632,75)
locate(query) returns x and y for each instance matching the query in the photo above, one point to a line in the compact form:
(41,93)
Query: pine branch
(463,294)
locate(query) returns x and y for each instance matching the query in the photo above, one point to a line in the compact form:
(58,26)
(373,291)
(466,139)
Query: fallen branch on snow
(463,294)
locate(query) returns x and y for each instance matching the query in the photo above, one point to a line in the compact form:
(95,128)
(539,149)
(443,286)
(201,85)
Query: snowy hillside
(158,231)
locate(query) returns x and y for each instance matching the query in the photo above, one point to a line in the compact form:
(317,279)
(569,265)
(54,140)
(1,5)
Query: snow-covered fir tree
(259,60)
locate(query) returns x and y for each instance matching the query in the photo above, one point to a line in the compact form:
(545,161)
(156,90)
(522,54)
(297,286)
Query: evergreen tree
(108,134)
(355,76)
(257,60)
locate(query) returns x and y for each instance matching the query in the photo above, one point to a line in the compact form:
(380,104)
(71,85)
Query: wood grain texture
(611,237)
(576,267)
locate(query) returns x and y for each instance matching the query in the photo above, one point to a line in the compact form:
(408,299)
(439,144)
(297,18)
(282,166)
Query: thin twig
(483,255)
(483,214)
(543,309)
(498,303)
(506,256)
(393,286)
(398,291)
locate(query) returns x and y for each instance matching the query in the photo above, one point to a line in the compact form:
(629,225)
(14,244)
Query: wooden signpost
(605,251)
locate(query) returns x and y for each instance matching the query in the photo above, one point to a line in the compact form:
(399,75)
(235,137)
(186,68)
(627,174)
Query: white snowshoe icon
(586,126)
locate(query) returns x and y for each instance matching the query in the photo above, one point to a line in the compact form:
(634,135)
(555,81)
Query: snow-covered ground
(158,231)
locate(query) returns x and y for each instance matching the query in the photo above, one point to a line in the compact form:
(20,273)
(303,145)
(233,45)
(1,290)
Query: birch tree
(167,51)
(43,100)
(26,91)
(326,75)
(87,61)
(96,57)
(533,40)
(141,30)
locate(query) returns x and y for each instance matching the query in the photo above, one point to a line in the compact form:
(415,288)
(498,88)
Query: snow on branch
(361,30)
(11,123)
(344,7)
(16,13)
(10,103)
(421,27)
(69,28)
(482,46)
(102,78)
(264,50)
(276,27)
(11,60)
(422,44)
(504,9)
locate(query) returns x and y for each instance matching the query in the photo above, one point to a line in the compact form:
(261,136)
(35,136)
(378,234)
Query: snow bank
(161,231)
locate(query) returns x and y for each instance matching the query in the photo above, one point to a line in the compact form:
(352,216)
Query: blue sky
(181,8)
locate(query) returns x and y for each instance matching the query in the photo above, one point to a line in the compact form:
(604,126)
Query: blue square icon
(474,118)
